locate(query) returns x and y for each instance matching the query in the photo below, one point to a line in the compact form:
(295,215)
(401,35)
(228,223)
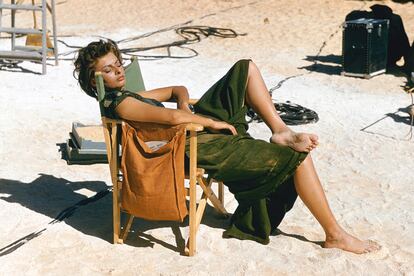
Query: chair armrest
(109,120)
(192,101)
(194,127)
(188,127)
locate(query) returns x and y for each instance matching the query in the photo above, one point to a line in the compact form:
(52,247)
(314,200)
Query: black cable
(190,35)
(290,113)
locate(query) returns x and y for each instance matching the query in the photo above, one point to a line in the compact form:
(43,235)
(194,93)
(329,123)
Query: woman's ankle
(281,130)
(334,233)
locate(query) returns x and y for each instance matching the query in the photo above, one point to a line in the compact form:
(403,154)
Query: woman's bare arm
(135,110)
(177,93)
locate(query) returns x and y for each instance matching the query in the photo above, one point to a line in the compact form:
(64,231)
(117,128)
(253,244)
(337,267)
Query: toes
(372,246)
(314,137)
(311,147)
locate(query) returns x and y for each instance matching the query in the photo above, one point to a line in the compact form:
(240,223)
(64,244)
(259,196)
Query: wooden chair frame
(112,134)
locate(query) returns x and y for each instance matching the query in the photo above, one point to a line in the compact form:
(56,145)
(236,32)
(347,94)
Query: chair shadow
(51,196)
(296,236)
(141,239)
(61,200)
(15,67)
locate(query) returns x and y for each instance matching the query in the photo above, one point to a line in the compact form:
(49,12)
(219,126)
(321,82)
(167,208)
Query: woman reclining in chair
(265,177)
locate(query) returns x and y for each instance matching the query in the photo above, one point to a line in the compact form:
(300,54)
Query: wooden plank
(221,192)
(113,162)
(31,48)
(1,14)
(21,55)
(212,197)
(106,130)
(200,210)
(199,215)
(20,7)
(200,172)
(194,127)
(190,250)
(20,30)
(201,207)
(125,232)
(192,101)
(44,31)
(54,28)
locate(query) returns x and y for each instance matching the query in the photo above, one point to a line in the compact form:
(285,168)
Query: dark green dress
(258,173)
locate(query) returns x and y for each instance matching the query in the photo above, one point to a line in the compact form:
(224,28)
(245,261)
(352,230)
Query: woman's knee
(253,69)
(306,162)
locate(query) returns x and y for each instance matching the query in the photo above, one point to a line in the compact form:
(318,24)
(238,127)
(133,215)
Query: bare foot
(302,142)
(349,243)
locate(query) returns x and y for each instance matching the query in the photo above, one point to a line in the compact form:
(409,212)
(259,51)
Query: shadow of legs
(296,236)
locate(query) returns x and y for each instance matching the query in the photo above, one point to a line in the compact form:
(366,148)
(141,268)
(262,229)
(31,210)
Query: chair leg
(218,205)
(221,192)
(116,215)
(197,220)
(201,207)
(125,232)
(191,243)
(191,248)
(200,210)
(113,165)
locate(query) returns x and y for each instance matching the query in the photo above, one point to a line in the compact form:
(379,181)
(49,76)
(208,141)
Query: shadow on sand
(15,67)
(332,65)
(61,200)
(408,120)
(401,119)
(296,236)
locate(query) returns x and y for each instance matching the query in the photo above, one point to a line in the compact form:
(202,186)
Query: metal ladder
(23,52)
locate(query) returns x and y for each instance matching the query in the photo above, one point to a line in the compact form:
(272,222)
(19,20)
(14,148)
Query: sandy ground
(367,175)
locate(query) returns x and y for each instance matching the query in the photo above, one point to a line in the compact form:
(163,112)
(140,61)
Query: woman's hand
(216,126)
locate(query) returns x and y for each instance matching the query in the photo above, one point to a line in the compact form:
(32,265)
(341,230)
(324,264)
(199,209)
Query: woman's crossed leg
(306,180)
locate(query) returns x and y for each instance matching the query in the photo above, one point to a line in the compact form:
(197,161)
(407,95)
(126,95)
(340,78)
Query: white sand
(368,176)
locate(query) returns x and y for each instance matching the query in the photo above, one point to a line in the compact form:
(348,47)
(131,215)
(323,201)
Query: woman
(264,177)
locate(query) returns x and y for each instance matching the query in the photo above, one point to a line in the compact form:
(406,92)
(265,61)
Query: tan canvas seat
(112,133)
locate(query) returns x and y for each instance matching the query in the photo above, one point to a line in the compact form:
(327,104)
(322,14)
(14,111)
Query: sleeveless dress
(258,173)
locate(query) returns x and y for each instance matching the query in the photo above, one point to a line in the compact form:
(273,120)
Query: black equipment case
(364,47)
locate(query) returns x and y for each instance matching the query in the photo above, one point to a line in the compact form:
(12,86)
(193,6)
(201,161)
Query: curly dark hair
(86,60)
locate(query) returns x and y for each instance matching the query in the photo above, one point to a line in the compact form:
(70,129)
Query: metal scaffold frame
(17,52)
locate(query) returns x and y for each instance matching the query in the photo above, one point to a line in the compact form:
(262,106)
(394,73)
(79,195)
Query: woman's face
(112,71)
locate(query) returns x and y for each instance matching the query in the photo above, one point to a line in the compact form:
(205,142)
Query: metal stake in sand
(410,89)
